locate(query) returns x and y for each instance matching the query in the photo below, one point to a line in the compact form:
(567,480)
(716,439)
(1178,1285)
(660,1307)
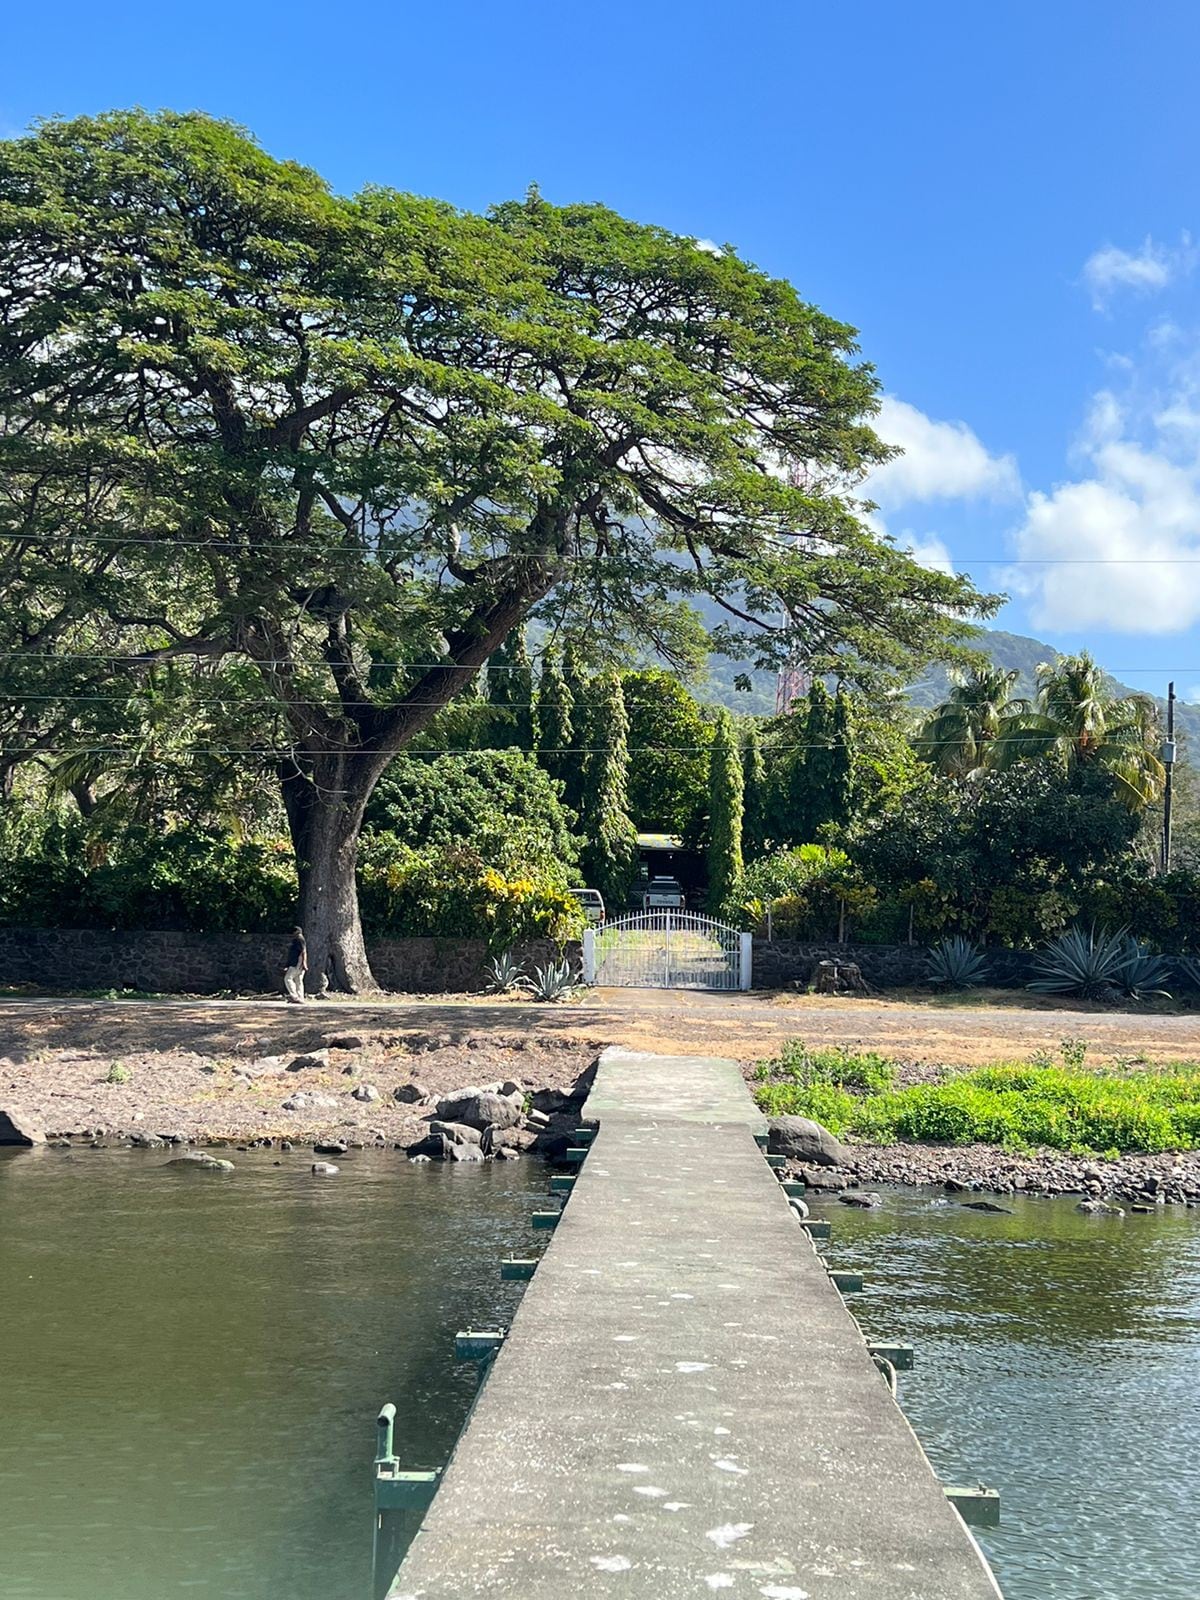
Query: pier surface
(684,1406)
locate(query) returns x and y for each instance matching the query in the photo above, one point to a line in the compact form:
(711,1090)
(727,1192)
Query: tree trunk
(325,815)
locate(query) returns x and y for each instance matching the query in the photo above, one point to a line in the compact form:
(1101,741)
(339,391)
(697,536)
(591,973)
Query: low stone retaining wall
(66,959)
(780,962)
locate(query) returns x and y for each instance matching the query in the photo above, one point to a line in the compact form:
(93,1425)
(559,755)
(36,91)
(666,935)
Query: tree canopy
(352,443)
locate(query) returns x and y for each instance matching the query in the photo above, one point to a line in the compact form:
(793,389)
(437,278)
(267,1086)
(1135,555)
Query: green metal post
(401,1500)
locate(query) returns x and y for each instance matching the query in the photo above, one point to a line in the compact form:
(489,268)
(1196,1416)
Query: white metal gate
(667,950)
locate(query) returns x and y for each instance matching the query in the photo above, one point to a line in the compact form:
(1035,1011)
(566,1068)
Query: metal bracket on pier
(562,1182)
(575,1155)
(776,1163)
(979,1506)
(546,1219)
(584,1135)
(761,1139)
(900,1355)
(816,1227)
(401,1500)
(515,1269)
(846,1282)
(472,1345)
(794,1188)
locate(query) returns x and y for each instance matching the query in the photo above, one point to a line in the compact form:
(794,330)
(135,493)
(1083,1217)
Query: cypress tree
(556,725)
(511,692)
(610,847)
(754,795)
(840,788)
(725,811)
(573,773)
(801,799)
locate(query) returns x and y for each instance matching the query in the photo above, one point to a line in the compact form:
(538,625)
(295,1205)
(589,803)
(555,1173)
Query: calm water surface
(1058,1360)
(193,1363)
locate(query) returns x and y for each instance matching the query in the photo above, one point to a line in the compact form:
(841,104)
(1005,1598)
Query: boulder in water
(17,1128)
(801,1139)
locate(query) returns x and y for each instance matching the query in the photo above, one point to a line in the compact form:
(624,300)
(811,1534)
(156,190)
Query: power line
(223,546)
(470,750)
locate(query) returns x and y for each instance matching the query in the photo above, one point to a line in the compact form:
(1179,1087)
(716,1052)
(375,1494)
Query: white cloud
(941,461)
(928,552)
(1144,271)
(1114,550)
(710,247)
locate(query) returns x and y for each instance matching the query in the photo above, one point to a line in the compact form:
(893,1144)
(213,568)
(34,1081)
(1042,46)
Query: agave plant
(504,974)
(554,981)
(1087,964)
(955,964)
(1145,972)
(1189,969)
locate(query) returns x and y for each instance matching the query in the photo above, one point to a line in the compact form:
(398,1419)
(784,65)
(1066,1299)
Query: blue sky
(999,197)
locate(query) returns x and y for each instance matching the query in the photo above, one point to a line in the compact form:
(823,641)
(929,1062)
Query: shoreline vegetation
(1050,1125)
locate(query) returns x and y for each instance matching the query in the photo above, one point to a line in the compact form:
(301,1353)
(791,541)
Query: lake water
(192,1366)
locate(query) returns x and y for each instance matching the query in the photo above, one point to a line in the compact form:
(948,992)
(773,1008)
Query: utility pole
(1168,761)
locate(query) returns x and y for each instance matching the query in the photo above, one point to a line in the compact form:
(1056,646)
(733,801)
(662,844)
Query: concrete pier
(684,1406)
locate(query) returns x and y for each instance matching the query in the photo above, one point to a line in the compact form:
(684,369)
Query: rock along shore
(437,1097)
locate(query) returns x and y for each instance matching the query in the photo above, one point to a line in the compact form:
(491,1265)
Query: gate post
(589,954)
(746,957)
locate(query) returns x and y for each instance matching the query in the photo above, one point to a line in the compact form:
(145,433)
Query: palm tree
(961,736)
(1078,718)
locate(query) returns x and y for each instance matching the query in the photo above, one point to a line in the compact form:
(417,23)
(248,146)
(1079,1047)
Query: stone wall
(66,959)
(781,962)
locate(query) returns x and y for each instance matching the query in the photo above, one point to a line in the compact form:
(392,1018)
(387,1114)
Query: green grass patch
(807,1067)
(1019,1106)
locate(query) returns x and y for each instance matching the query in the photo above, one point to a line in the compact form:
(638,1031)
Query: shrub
(1144,972)
(955,963)
(504,974)
(1085,964)
(799,1063)
(52,874)
(455,893)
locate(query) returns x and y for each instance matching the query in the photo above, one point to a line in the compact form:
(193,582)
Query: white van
(592,902)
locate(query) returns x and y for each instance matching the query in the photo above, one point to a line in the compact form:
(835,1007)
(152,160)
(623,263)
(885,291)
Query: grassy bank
(1057,1105)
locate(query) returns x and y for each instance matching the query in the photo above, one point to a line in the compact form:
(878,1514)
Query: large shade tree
(355,442)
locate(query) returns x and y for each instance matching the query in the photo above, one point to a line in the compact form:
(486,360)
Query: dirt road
(745,1026)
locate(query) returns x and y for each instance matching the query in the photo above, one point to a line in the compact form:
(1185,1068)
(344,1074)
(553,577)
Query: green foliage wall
(499,803)
(669,738)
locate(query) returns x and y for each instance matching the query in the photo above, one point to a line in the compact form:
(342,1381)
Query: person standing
(297,966)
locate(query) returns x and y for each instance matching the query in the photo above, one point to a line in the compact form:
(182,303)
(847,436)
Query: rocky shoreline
(433,1097)
(1133,1182)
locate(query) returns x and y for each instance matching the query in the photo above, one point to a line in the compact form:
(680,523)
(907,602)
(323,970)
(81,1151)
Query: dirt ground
(215,1070)
(219,1068)
(744,1026)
